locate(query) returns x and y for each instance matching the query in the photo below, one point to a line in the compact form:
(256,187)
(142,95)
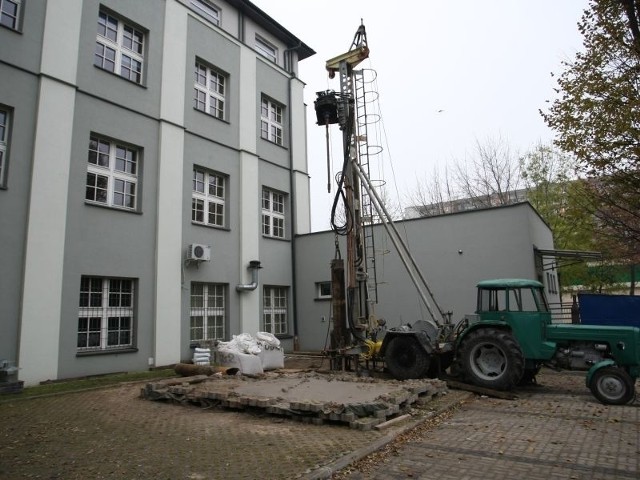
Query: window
(119,48)
(10,13)
(4,140)
(209,91)
(208,200)
(267,50)
(208,314)
(272,213)
(275,310)
(323,290)
(112,174)
(105,319)
(271,121)
(206,10)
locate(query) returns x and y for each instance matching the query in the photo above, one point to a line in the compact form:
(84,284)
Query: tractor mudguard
(421,337)
(604,363)
(482,324)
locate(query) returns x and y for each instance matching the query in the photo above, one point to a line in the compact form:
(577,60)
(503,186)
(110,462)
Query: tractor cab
(520,306)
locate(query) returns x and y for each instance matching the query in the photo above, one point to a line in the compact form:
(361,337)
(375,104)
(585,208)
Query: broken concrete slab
(360,402)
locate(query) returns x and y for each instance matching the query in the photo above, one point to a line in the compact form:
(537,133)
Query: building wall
(57,99)
(454,252)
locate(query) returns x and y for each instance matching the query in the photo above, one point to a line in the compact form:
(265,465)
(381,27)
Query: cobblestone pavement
(112,433)
(554,430)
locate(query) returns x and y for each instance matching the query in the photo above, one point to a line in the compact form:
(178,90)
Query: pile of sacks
(252,355)
(202,356)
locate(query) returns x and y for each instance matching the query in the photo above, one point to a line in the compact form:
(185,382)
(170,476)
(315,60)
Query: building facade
(151,154)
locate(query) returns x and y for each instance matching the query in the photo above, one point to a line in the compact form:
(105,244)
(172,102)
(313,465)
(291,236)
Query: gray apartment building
(151,153)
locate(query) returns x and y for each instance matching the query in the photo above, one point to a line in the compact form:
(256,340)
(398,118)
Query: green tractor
(511,337)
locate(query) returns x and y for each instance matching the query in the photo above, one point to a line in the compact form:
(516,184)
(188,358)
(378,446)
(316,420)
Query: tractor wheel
(492,358)
(405,358)
(612,386)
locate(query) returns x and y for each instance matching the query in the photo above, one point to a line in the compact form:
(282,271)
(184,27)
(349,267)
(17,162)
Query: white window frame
(320,290)
(206,10)
(106,314)
(5,120)
(275,310)
(208,202)
(273,213)
(210,86)
(266,49)
(115,43)
(271,121)
(105,175)
(8,20)
(208,312)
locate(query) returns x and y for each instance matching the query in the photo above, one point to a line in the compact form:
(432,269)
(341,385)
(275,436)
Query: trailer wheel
(492,358)
(612,386)
(405,358)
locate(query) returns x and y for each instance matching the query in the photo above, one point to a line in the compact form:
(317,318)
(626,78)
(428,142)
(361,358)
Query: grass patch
(87,383)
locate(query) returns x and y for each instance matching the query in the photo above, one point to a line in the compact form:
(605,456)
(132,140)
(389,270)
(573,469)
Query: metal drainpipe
(254,266)
(294,297)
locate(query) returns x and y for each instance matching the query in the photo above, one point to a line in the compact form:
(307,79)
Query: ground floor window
(275,310)
(106,313)
(208,311)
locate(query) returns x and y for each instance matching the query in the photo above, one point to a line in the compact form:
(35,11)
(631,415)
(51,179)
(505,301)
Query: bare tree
(491,177)
(433,195)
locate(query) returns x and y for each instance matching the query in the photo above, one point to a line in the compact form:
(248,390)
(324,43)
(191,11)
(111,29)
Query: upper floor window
(208,198)
(271,121)
(106,313)
(10,13)
(207,10)
(4,141)
(273,215)
(119,48)
(267,50)
(209,91)
(112,173)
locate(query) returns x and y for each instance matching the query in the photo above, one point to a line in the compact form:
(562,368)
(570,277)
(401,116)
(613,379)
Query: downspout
(294,296)
(254,266)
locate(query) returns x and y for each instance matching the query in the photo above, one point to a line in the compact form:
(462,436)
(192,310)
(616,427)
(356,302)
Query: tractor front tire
(405,358)
(492,358)
(612,386)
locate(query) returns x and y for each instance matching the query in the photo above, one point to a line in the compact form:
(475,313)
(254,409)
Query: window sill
(120,76)
(321,299)
(212,116)
(281,145)
(111,207)
(281,239)
(111,351)
(215,227)
(284,336)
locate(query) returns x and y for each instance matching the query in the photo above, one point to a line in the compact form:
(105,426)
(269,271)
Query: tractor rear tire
(613,386)
(405,358)
(492,358)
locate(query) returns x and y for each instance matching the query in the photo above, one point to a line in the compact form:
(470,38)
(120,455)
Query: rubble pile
(360,402)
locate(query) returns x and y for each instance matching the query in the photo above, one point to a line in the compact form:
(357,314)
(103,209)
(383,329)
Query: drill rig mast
(353,313)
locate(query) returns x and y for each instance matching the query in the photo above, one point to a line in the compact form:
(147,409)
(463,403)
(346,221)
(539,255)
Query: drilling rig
(408,352)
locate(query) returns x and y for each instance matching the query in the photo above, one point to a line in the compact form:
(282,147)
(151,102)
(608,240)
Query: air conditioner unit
(199,252)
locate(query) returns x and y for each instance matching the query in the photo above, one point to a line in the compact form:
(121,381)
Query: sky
(448,75)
